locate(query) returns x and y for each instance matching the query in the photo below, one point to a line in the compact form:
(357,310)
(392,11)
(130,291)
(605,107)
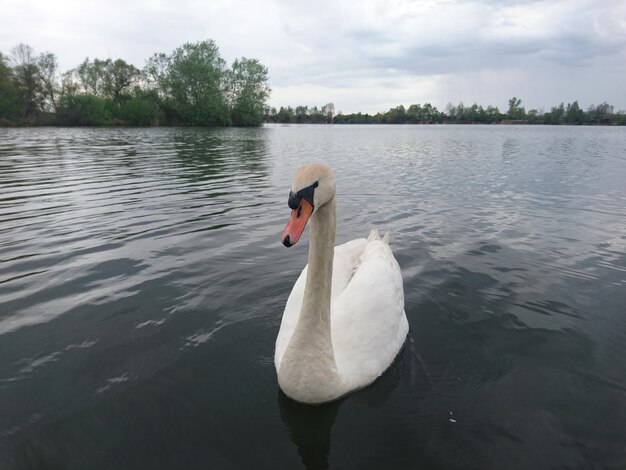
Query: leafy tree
(431,114)
(286,115)
(516,111)
(248,92)
(600,114)
(493,114)
(269,114)
(302,114)
(459,112)
(573,114)
(117,78)
(414,114)
(316,116)
(10,100)
(396,115)
(155,73)
(556,115)
(193,82)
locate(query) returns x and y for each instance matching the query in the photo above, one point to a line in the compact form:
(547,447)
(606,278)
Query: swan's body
(344,321)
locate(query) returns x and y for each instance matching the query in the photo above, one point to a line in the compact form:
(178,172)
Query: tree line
(191,86)
(572,113)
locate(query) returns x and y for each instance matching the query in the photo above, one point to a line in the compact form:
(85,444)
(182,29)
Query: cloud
(362,56)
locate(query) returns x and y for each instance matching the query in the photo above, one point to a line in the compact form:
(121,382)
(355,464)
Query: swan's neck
(316,302)
(308,369)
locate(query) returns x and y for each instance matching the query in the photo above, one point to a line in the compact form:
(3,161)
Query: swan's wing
(290,317)
(346,261)
(369,325)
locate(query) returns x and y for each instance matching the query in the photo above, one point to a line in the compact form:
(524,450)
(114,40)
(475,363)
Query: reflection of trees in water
(208,153)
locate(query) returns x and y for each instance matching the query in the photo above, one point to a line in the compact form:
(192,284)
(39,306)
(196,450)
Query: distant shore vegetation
(191,86)
(572,114)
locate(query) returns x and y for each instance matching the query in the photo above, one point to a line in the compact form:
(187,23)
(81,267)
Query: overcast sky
(366,55)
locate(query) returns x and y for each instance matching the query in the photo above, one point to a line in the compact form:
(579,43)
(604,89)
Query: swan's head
(313,185)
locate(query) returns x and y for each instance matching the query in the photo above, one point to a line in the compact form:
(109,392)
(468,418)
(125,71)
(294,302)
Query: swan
(344,321)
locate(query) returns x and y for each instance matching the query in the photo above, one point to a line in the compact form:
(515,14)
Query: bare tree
(27,74)
(69,83)
(91,75)
(48,67)
(329,111)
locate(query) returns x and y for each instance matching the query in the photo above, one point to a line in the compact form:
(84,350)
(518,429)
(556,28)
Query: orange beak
(296,224)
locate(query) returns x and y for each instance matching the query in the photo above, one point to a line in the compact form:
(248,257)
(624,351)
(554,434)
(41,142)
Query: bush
(82,110)
(141,110)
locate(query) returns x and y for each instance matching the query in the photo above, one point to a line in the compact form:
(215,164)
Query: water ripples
(126,255)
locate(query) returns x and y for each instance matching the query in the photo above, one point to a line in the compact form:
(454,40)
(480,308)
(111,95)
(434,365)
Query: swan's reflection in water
(310,427)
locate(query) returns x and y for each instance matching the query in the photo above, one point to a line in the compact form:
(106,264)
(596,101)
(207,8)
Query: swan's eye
(305,193)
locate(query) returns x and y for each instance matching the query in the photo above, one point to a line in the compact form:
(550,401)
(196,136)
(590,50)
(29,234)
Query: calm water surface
(142,283)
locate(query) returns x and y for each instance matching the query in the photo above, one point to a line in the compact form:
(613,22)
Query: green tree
(316,116)
(194,84)
(493,114)
(414,114)
(270,114)
(556,115)
(573,114)
(248,92)
(601,114)
(302,114)
(286,115)
(431,114)
(10,100)
(155,73)
(117,78)
(516,111)
(396,115)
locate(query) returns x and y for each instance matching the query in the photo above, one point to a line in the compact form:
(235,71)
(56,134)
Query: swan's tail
(374,235)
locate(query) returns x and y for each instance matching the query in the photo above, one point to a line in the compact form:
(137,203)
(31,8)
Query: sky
(366,55)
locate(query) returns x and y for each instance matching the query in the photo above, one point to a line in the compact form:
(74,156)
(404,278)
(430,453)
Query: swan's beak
(296,223)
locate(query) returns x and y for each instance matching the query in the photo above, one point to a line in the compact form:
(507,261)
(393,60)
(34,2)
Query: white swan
(344,322)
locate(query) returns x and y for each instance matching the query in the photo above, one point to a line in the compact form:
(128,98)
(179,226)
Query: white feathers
(367,320)
(344,321)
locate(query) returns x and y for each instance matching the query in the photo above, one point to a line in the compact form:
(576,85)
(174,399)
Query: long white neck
(308,371)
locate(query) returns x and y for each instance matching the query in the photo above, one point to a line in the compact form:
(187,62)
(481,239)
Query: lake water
(142,283)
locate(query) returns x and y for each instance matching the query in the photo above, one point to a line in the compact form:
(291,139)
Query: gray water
(142,283)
